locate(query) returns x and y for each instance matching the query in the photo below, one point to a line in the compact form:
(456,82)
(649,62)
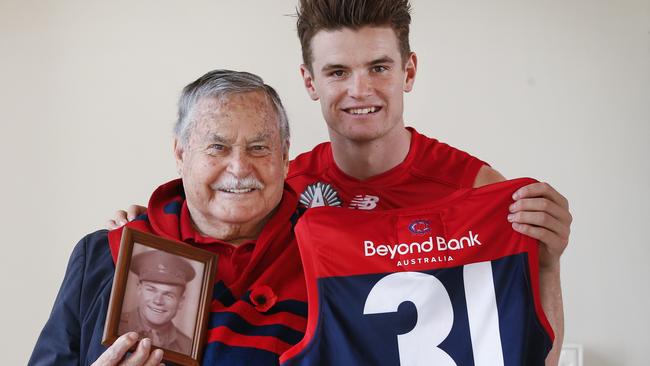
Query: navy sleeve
(72,334)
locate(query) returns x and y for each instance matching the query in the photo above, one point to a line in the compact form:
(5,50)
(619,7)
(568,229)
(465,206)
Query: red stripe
(230,338)
(254,317)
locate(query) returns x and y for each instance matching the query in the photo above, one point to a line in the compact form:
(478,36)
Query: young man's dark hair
(316,15)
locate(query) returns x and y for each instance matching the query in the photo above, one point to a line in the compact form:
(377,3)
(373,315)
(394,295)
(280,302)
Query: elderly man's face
(234,165)
(158,302)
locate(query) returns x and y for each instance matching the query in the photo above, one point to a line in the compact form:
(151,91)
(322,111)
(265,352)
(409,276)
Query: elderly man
(162,279)
(231,148)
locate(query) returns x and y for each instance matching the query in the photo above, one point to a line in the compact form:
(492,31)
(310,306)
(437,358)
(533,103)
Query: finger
(117,350)
(542,205)
(552,242)
(111,225)
(140,355)
(121,217)
(541,189)
(540,219)
(154,358)
(134,211)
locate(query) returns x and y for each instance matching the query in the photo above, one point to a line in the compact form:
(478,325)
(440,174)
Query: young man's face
(359,78)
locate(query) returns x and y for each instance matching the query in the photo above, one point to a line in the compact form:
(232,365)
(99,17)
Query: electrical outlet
(571,355)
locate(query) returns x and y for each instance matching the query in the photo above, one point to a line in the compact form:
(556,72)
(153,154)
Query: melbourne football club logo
(319,194)
(364,202)
(420,227)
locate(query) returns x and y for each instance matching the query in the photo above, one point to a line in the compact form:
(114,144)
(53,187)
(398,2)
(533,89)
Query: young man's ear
(308,81)
(410,69)
(178,155)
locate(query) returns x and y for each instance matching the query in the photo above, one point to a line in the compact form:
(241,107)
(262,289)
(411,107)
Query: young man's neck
(365,159)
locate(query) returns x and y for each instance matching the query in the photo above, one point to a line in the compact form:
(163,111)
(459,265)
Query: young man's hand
(122,217)
(539,211)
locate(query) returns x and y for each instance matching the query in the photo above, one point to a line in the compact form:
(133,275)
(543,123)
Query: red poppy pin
(263,298)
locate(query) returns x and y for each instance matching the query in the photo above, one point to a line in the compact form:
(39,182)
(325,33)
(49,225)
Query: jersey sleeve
(445,163)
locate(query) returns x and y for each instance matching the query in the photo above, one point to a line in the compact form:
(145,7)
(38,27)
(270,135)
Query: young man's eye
(337,73)
(379,69)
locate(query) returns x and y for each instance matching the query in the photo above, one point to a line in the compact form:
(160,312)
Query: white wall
(557,90)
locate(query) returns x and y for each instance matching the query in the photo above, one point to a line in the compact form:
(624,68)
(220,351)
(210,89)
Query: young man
(358,64)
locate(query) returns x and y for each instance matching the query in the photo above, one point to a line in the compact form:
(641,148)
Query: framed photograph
(162,290)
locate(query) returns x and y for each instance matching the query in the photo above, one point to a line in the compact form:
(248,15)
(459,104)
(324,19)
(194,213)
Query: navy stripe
(173,207)
(237,324)
(296,215)
(217,353)
(287,306)
(142,217)
(222,293)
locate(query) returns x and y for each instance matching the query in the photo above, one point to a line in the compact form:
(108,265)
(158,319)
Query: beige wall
(556,90)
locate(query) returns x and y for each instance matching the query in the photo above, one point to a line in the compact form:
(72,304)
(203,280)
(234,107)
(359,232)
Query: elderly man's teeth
(238,190)
(363,110)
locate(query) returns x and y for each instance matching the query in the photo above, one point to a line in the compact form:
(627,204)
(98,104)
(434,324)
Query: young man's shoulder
(311,162)
(435,160)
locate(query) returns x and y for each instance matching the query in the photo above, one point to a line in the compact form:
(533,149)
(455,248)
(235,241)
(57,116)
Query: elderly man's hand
(122,217)
(539,211)
(142,356)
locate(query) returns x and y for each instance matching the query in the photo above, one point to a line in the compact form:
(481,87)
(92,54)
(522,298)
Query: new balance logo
(364,202)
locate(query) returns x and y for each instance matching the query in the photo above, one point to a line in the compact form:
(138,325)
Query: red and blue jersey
(446,284)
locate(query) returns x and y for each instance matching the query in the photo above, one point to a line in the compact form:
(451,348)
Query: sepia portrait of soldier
(159,295)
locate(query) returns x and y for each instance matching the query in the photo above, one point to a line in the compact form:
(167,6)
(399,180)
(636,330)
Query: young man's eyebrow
(377,61)
(328,67)
(381,60)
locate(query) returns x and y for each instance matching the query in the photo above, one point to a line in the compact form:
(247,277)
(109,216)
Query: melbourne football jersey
(447,284)
(431,170)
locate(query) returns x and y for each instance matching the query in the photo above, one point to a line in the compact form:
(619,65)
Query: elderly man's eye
(259,149)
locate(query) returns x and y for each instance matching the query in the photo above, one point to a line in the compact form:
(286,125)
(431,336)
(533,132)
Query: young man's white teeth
(363,110)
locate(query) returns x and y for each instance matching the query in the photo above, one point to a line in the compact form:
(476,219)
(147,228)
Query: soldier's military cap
(162,267)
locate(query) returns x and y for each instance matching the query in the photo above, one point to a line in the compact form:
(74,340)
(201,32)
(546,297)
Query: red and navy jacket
(241,328)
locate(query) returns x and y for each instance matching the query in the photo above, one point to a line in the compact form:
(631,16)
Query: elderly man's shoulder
(93,245)
(91,259)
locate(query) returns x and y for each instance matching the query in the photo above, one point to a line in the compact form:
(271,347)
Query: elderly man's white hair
(220,84)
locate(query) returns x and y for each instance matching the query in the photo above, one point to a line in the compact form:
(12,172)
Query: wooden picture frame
(159,302)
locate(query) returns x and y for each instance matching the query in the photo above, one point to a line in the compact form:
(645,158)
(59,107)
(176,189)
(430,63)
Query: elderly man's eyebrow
(262,136)
(216,137)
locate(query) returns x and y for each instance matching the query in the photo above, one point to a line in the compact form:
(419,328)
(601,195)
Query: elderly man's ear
(178,156)
(285,158)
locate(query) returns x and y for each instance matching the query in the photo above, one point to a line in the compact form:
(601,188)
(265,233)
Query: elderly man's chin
(242,208)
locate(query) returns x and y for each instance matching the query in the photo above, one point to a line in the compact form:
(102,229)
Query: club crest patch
(420,227)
